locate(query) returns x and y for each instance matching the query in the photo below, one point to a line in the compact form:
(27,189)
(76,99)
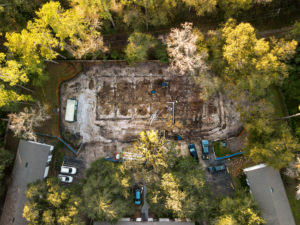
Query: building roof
(267,189)
(146,223)
(30,164)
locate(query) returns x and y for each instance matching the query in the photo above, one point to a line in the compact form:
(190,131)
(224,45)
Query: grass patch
(290,187)
(274,96)
(47,92)
(57,160)
(219,150)
(239,182)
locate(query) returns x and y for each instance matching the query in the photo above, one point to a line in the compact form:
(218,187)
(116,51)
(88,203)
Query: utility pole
(173,112)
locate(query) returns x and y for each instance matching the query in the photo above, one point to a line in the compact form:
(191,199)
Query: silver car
(65,178)
(68,170)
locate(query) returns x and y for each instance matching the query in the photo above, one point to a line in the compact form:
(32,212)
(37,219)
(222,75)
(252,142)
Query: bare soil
(115,103)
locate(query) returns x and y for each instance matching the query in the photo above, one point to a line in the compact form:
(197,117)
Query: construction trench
(116,102)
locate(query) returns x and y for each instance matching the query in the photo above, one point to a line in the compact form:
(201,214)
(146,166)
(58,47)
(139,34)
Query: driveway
(220,182)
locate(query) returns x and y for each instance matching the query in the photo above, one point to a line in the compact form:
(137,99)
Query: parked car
(68,170)
(137,198)
(193,151)
(205,151)
(65,178)
(218,168)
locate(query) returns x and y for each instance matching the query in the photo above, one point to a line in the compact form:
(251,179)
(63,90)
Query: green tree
(6,159)
(50,203)
(95,9)
(202,6)
(31,47)
(233,7)
(176,185)
(296,29)
(291,91)
(8,96)
(240,210)
(152,155)
(182,191)
(15,13)
(77,34)
(271,144)
(106,192)
(138,47)
(249,64)
(155,13)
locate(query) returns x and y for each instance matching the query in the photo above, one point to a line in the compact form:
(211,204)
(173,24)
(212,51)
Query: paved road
(145,207)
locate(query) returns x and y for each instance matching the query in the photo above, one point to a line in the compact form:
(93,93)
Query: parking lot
(71,161)
(220,182)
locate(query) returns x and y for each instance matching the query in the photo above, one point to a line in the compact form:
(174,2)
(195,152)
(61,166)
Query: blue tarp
(229,156)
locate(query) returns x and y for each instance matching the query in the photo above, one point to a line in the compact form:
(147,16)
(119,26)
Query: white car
(65,178)
(68,170)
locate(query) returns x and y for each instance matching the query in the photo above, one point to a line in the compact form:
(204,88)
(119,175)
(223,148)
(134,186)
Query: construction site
(116,102)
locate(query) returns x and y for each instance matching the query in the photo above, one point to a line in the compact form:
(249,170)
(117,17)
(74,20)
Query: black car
(193,151)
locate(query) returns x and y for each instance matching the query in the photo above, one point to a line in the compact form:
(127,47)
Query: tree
(8,96)
(15,14)
(152,154)
(76,33)
(95,9)
(106,192)
(203,6)
(155,13)
(293,171)
(176,185)
(138,47)
(6,159)
(188,55)
(24,123)
(233,7)
(296,29)
(248,64)
(182,49)
(240,210)
(226,220)
(182,191)
(32,46)
(11,71)
(273,145)
(50,203)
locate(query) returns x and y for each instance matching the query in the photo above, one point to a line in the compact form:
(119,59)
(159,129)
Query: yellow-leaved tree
(253,64)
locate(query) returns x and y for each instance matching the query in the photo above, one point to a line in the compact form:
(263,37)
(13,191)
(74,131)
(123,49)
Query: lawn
(219,150)
(47,93)
(275,97)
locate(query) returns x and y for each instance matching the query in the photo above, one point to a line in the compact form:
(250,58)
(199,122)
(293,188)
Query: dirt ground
(115,103)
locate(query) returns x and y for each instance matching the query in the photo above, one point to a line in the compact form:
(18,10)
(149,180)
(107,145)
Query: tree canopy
(176,185)
(106,192)
(241,209)
(6,159)
(138,47)
(50,203)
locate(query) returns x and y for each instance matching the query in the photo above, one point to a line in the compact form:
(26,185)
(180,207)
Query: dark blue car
(193,151)
(218,168)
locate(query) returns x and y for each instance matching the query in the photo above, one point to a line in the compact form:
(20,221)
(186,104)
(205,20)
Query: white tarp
(71,110)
